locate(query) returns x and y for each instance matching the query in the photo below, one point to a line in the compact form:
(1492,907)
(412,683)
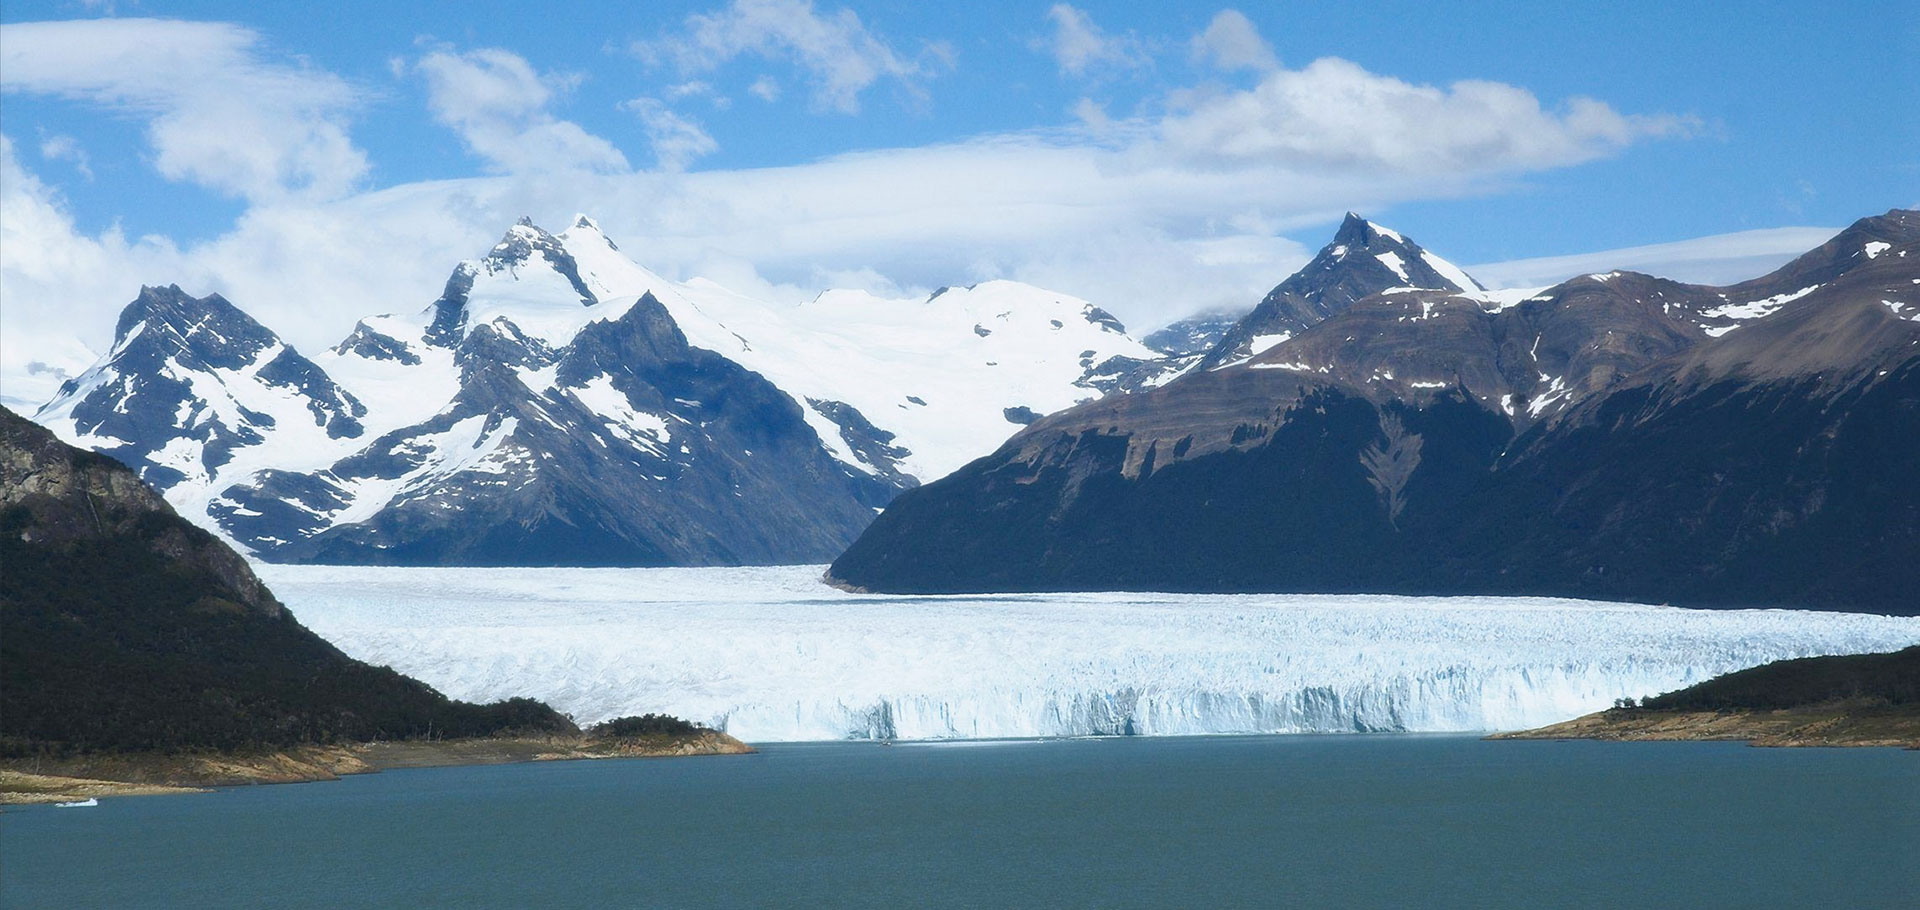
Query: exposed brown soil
(20,787)
(47,780)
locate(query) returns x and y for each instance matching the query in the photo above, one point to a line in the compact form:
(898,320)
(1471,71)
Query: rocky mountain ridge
(1616,436)
(561,404)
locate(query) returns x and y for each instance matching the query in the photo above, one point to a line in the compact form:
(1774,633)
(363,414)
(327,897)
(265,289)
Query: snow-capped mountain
(1615,436)
(562,404)
(194,385)
(1363,259)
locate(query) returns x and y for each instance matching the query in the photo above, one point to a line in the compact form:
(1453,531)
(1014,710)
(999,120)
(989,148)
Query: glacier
(773,654)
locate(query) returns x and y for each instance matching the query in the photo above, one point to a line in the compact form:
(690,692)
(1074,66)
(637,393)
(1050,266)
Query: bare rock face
(1617,436)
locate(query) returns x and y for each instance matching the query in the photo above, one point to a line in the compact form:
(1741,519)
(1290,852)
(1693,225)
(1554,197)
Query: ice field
(771,654)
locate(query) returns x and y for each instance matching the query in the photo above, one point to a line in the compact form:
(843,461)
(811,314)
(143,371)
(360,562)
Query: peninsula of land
(1852,700)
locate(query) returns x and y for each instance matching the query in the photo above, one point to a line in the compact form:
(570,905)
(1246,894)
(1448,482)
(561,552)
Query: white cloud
(497,103)
(690,89)
(698,88)
(766,88)
(676,140)
(218,113)
(1337,117)
(1092,115)
(1720,259)
(1230,42)
(1138,216)
(1079,46)
(57,147)
(842,57)
(51,277)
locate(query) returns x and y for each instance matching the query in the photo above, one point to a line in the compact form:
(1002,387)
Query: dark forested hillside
(123,627)
(1890,678)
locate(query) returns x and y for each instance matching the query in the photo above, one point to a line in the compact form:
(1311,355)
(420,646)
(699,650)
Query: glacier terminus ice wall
(771,654)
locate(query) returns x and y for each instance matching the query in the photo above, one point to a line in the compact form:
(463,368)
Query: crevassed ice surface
(772,654)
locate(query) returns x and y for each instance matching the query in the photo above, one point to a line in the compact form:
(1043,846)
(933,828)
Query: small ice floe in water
(79,804)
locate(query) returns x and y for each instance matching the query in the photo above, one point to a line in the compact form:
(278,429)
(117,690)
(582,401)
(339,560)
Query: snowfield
(771,654)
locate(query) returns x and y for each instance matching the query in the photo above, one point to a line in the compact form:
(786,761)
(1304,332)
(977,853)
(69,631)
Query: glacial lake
(1123,822)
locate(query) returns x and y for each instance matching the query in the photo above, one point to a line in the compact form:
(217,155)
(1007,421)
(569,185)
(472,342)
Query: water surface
(1270,821)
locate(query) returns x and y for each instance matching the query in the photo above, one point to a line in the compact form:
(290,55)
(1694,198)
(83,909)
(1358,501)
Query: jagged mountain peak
(1362,260)
(522,243)
(167,323)
(191,321)
(1364,245)
(190,381)
(556,374)
(979,349)
(1357,229)
(503,283)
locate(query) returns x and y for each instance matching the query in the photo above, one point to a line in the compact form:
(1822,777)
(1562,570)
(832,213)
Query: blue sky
(1154,157)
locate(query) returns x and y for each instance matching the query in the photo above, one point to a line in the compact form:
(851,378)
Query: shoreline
(27,781)
(1846,724)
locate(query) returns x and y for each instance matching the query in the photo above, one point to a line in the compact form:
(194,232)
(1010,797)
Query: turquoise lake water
(1279,821)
